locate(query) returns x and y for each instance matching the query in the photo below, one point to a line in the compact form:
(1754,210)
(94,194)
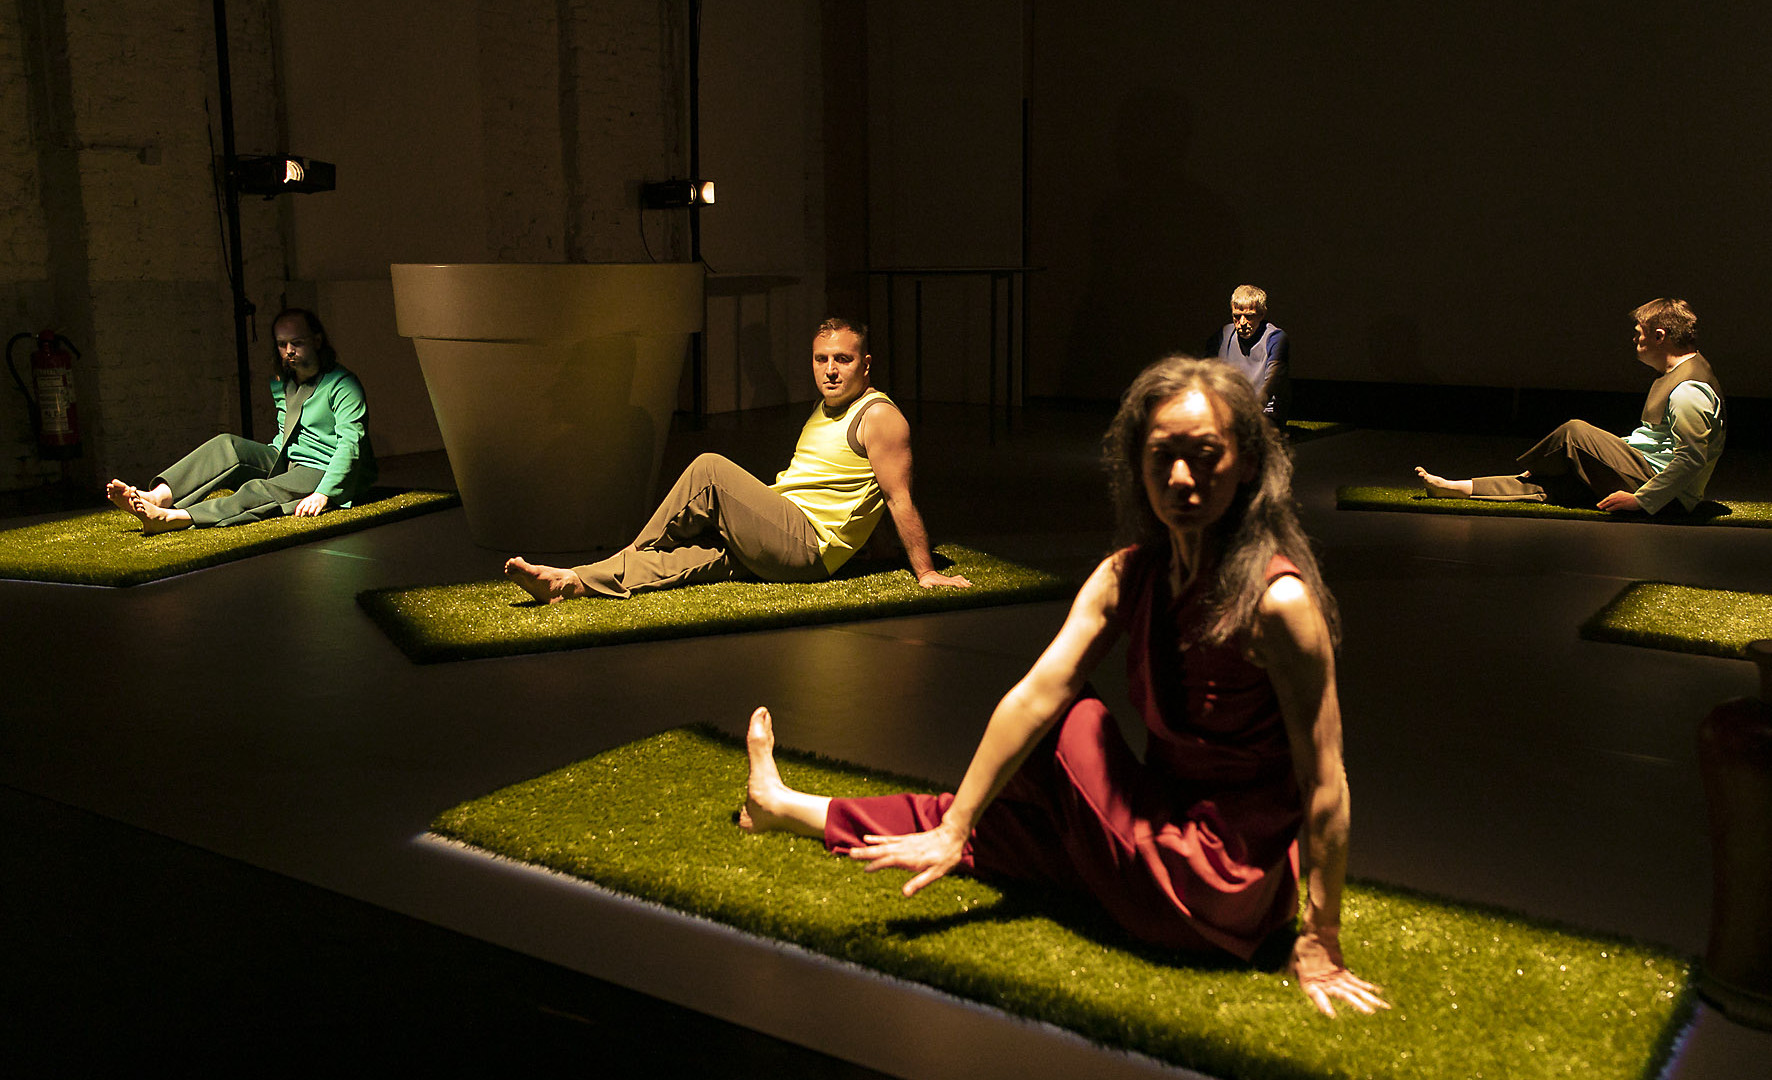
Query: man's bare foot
(548,584)
(155,518)
(120,493)
(1441,488)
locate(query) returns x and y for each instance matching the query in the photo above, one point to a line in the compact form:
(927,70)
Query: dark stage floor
(217,785)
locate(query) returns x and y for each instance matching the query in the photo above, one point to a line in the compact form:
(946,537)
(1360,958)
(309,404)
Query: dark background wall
(1431,194)
(1457,193)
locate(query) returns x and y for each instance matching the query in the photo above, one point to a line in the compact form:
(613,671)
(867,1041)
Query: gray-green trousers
(718,522)
(228,461)
(1572,461)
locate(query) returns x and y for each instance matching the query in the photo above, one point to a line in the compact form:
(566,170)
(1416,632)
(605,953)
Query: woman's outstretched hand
(929,855)
(1316,961)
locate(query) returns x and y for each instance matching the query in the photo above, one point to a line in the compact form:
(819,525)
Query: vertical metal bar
(1010,401)
(917,295)
(991,415)
(698,347)
(695,125)
(892,333)
(231,190)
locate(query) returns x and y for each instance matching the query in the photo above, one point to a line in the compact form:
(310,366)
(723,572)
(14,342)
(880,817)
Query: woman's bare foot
(1441,488)
(769,804)
(156,518)
(548,584)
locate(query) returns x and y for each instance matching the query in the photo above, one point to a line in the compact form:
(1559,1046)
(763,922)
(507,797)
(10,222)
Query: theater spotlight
(278,174)
(665,194)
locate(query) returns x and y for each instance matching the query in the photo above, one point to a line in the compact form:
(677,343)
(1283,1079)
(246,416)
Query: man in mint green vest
(851,466)
(1666,461)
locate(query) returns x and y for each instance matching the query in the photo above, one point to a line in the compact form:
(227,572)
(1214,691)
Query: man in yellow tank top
(851,466)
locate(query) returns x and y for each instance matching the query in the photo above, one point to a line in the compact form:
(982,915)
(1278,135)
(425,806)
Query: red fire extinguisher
(54,419)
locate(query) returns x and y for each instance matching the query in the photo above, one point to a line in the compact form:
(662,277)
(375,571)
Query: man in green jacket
(320,459)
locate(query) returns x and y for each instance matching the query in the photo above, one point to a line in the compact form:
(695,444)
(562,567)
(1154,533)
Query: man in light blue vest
(851,466)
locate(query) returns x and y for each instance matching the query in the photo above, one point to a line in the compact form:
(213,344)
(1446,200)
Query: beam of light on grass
(107,548)
(1735,514)
(497,618)
(1682,618)
(1477,991)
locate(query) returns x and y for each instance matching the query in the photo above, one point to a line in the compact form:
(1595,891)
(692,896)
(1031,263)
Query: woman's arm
(1293,643)
(1019,722)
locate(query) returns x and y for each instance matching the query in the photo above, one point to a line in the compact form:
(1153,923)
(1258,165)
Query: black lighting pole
(231,187)
(698,348)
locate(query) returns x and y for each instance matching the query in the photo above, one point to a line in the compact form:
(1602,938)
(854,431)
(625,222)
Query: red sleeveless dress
(1196,846)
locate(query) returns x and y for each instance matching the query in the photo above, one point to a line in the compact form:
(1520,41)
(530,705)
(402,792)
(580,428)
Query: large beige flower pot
(553,386)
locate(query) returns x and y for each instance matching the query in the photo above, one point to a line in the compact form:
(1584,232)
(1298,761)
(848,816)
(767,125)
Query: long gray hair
(1262,520)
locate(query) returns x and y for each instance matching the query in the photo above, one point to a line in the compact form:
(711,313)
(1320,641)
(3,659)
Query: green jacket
(330,434)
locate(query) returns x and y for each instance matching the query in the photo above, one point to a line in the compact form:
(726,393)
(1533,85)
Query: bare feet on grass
(769,804)
(120,493)
(156,518)
(1440,488)
(548,584)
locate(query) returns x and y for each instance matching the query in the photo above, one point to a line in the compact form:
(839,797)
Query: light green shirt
(329,433)
(1683,447)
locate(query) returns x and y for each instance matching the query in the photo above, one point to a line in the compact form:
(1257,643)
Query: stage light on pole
(281,174)
(670,194)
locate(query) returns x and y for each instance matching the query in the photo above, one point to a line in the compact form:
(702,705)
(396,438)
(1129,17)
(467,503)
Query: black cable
(30,402)
(643,242)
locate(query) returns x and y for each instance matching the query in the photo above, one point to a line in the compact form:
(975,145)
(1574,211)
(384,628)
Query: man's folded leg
(718,522)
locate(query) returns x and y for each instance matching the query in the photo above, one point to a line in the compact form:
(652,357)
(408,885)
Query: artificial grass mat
(106,547)
(1476,993)
(1302,431)
(497,618)
(1745,515)
(1682,618)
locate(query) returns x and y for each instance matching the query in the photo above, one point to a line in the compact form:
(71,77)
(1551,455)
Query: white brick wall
(520,131)
(24,255)
(631,122)
(24,250)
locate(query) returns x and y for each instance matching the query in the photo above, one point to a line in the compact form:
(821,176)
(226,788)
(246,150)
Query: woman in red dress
(1241,795)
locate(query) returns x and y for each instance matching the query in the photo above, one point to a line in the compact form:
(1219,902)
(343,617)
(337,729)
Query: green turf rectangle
(496,618)
(1742,515)
(1475,992)
(1682,618)
(106,547)
(1303,431)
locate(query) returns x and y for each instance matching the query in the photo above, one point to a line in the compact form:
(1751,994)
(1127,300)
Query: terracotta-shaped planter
(553,386)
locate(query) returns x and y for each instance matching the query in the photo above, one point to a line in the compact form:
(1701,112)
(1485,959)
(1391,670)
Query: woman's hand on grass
(311,506)
(1316,961)
(929,855)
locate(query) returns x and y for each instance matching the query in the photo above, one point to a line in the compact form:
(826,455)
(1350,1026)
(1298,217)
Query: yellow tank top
(832,483)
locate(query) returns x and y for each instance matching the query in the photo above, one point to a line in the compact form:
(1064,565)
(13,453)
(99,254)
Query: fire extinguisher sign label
(55,400)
